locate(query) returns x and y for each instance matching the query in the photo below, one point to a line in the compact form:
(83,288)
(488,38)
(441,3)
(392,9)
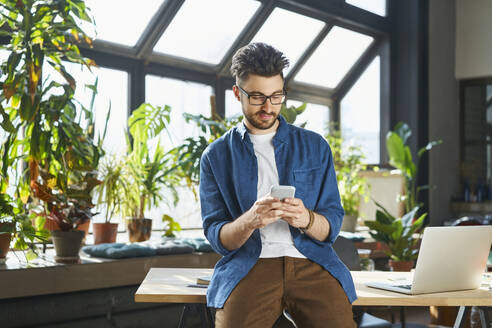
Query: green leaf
(403,130)
(428,147)
(6,122)
(396,151)
(408,217)
(409,167)
(379,227)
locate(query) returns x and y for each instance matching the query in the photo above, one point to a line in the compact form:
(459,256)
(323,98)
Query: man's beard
(255,121)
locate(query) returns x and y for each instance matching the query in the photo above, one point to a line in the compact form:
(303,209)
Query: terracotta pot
(104,232)
(139,229)
(5,239)
(67,245)
(403,266)
(349,223)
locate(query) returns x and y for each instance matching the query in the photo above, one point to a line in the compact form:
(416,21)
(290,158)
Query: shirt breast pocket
(307,182)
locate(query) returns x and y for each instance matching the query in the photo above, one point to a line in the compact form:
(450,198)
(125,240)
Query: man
(276,254)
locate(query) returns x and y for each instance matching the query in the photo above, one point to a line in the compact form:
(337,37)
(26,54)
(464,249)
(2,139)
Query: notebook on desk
(450,259)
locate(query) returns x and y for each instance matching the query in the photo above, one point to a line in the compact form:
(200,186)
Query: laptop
(450,259)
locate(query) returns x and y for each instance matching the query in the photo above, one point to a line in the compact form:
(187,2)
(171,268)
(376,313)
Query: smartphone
(282,192)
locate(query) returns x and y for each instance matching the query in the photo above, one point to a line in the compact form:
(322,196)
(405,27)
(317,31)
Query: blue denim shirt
(228,188)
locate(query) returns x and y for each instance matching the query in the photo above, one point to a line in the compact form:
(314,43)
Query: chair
(347,252)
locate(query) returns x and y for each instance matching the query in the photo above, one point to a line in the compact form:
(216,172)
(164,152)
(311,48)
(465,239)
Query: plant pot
(67,245)
(402,266)
(5,239)
(139,229)
(349,223)
(104,232)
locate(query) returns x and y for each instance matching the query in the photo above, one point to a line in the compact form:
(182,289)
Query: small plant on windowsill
(147,169)
(352,186)
(109,199)
(16,224)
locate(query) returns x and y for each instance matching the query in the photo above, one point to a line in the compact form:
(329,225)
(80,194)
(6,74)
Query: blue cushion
(118,250)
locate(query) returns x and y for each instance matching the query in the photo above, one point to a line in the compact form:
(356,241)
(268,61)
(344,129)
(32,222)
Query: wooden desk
(171,286)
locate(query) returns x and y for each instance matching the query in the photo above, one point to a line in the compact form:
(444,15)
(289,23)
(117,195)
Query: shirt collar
(282,130)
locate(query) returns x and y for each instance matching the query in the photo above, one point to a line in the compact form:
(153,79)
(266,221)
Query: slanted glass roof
(289,32)
(122,21)
(375,6)
(205,30)
(334,57)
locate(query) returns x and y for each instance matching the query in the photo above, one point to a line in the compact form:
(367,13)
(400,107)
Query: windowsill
(44,276)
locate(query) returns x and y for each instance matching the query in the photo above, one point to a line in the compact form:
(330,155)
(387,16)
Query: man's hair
(260,59)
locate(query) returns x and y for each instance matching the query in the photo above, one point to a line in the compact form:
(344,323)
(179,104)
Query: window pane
(193,98)
(122,21)
(360,113)
(375,6)
(111,93)
(315,116)
(232,105)
(215,26)
(334,57)
(294,36)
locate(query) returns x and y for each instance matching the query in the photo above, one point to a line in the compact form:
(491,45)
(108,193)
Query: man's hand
(294,212)
(264,211)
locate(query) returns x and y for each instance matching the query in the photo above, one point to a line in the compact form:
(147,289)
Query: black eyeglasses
(259,99)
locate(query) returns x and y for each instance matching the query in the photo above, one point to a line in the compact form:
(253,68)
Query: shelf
(482,208)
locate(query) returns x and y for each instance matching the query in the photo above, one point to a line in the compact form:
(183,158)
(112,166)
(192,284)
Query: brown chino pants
(309,293)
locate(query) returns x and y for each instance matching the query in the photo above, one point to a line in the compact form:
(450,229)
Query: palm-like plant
(400,157)
(148,168)
(110,193)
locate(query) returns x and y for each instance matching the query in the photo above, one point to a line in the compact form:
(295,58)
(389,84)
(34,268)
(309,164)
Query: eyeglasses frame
(266,97)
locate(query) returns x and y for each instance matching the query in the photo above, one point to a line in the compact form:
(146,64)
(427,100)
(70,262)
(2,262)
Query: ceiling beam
(357,70)
(344,15)
(156,27)
(309,89)
(309,51)
(246,35)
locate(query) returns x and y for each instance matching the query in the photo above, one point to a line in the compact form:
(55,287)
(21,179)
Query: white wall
(444,114)
(473,37)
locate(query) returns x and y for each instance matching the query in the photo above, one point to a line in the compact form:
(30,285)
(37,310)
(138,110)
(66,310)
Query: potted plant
(15,224)
(52,141)
(147,169)
(352,186)
(110,197)
(400,156)
(399,234)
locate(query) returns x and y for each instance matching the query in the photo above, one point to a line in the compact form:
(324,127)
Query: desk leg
(206,318)
(484,316)
(184,315)
(402,317)
(463,312)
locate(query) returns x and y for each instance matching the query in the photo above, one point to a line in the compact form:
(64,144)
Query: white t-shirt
(276,240)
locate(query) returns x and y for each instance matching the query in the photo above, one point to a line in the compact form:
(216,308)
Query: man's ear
(236,91)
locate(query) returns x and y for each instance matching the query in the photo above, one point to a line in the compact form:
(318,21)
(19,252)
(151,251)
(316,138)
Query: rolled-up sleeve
(328,203)
(213,207)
